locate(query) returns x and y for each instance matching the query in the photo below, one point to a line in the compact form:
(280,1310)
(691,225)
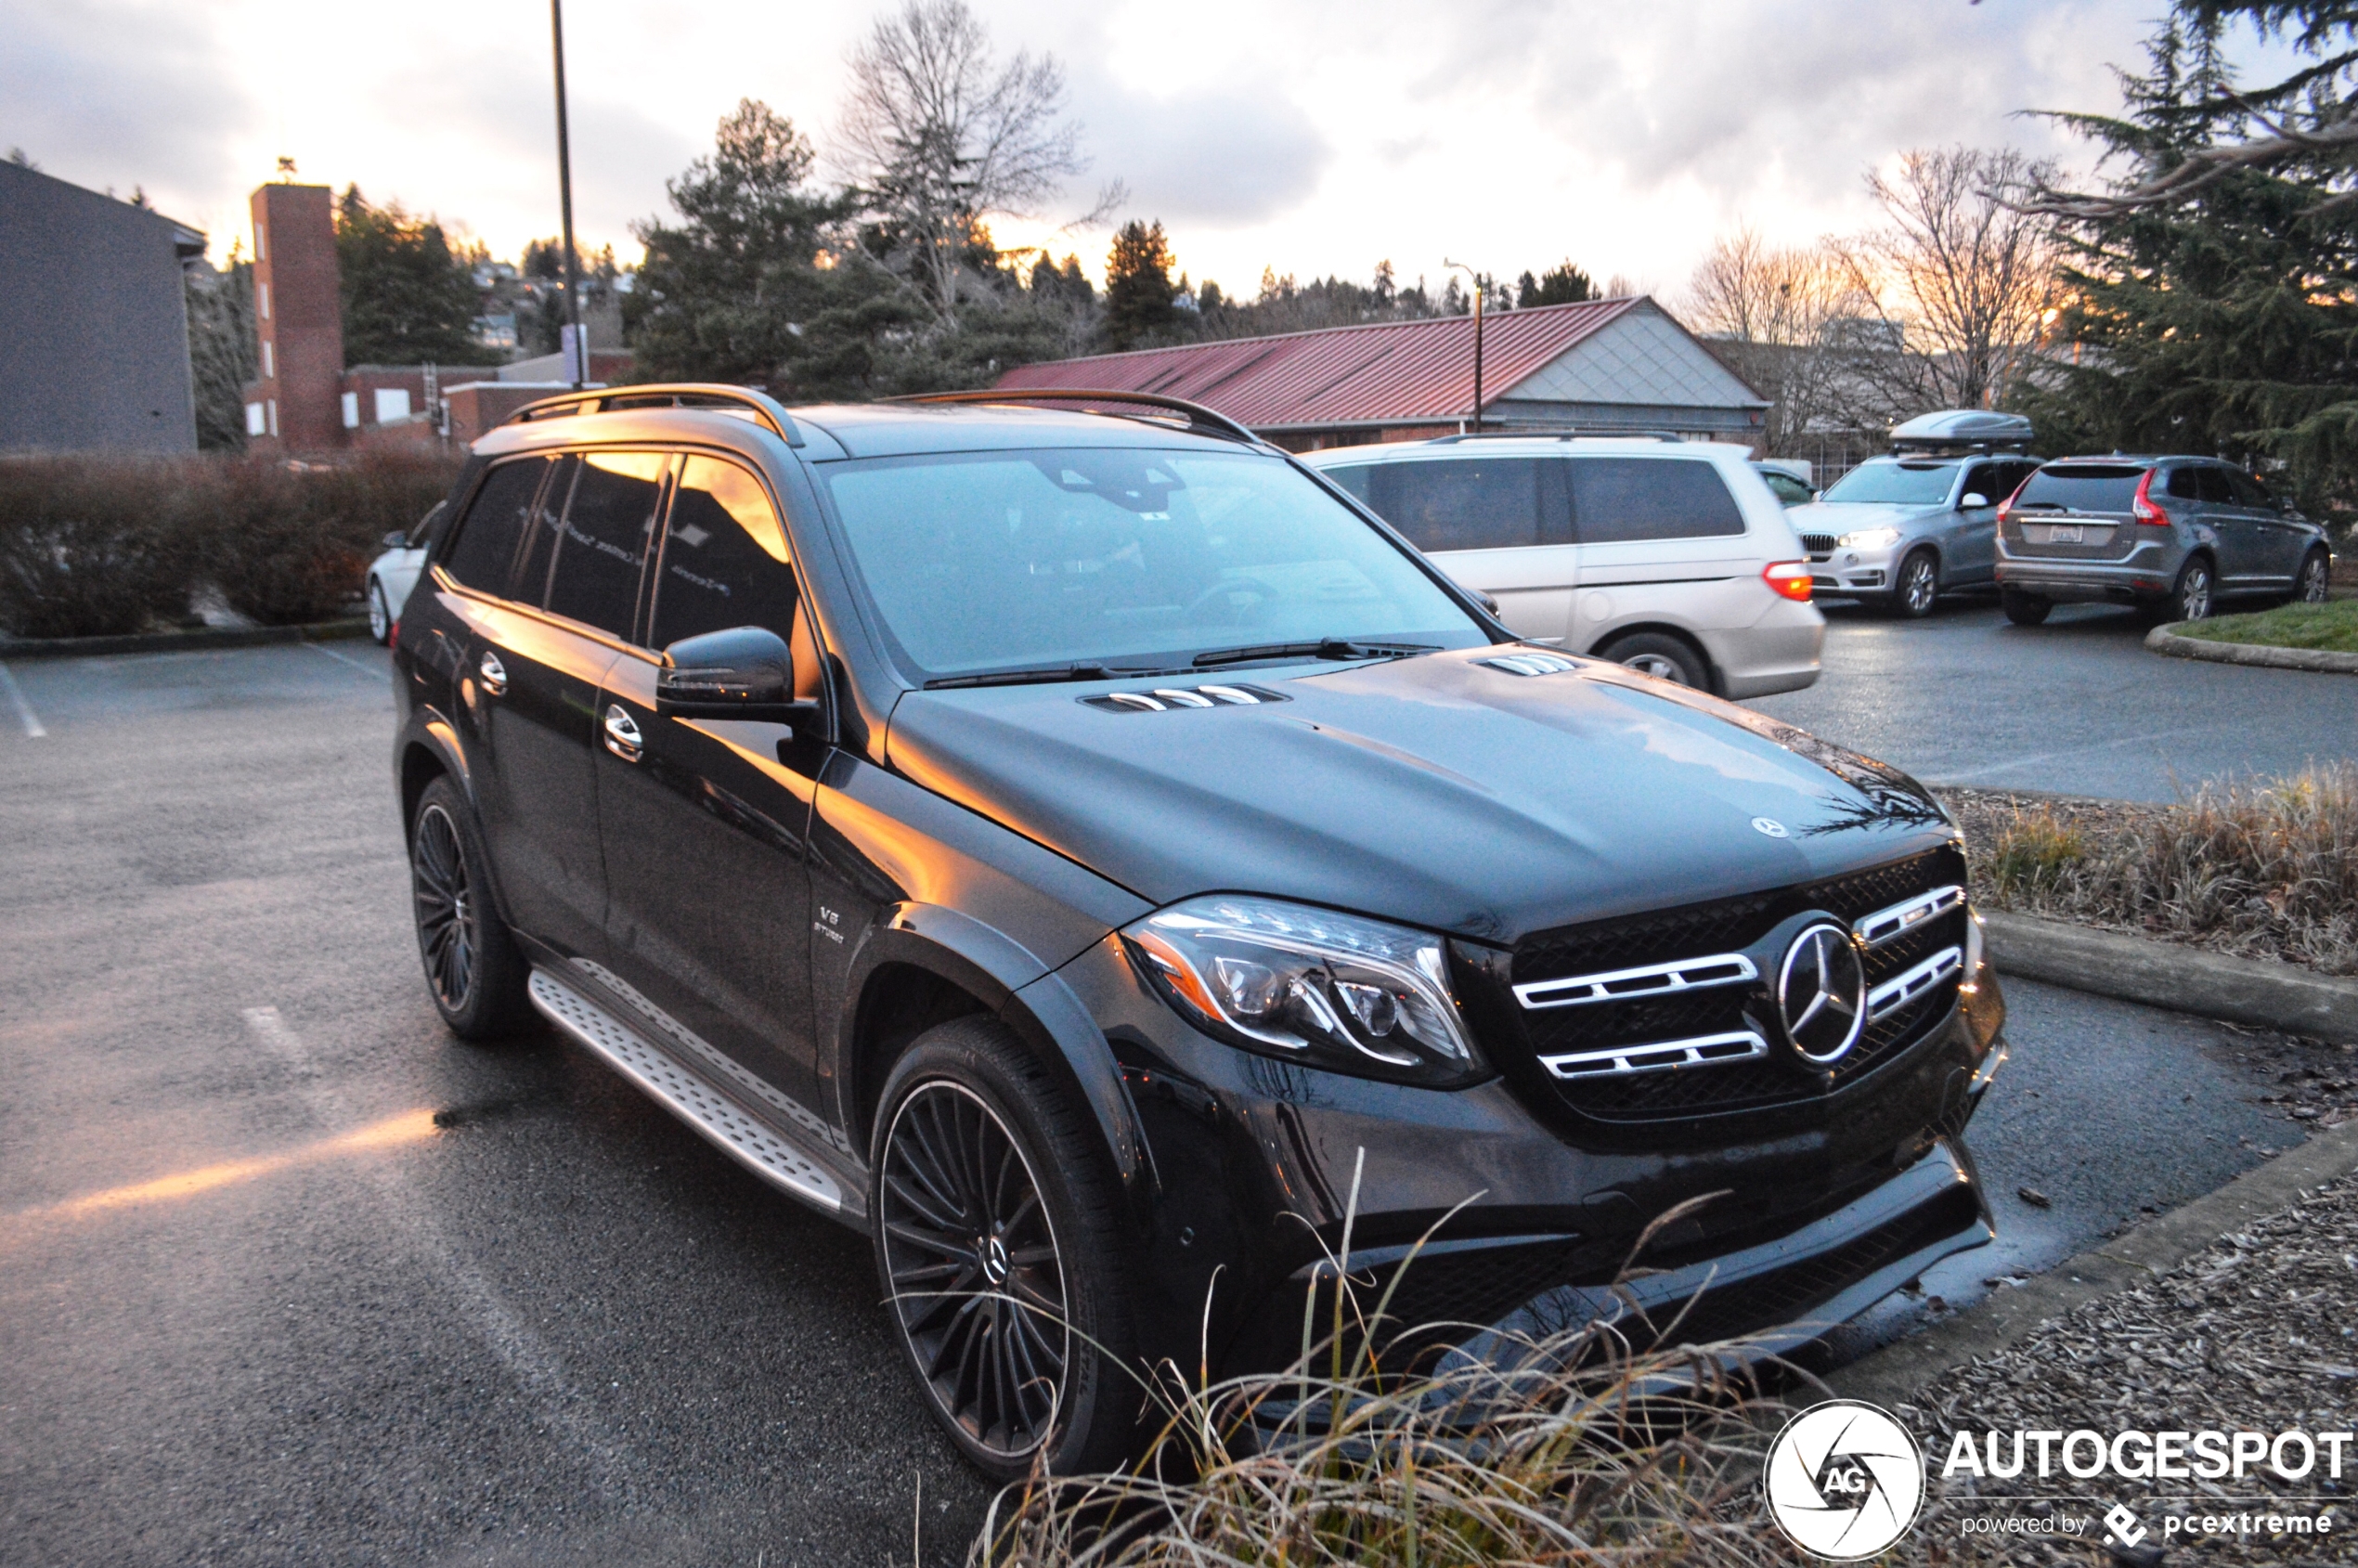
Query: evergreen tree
(221,349)
(407,298)
(1560,284)
(1141,306)
(2213,291)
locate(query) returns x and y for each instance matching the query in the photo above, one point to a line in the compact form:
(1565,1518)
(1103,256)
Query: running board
(686,1094)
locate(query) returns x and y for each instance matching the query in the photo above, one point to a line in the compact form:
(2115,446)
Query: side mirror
(1974,502)
(397,539)
(1489,602)
(746,672)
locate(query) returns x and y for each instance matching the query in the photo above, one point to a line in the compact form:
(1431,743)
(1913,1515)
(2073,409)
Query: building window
(269,364)
(392,403)
(264,300)
(254,416)
(272,404)
(351,410)
(261,248)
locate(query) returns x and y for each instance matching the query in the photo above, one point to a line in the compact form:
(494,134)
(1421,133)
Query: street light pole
(577,351)
(1475,279)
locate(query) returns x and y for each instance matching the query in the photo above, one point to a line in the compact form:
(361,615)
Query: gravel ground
(2259,1333)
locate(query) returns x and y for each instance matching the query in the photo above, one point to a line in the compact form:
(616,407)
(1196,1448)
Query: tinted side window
(2250,491)
(724,558)
(595,577)
(1618,500)
(482,557)
(1986,480)
(2213,486)
(1359,479)
(1462,503)
(2185,484)
(541,532)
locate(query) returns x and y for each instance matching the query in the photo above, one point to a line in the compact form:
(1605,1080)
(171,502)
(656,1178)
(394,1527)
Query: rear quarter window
(2084,487)
(1620,500)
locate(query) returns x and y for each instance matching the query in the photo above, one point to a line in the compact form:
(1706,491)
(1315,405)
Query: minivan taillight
(2149,514)
(1788,577)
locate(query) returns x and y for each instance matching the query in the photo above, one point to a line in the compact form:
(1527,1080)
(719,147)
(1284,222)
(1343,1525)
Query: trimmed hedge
(101,546)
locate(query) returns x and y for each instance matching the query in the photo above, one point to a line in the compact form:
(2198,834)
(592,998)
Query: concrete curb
(2186,979)
(2166,640)
(1893,1375)
(183,642)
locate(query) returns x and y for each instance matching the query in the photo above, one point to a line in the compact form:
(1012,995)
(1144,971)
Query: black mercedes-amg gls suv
(1076,844)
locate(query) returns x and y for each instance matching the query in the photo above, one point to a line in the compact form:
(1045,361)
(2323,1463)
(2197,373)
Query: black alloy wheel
(380,617)
(970,1253)
(994,1213)
(2190,598)
(473,971)
(2315,584)
(1917,588)
(2024,609)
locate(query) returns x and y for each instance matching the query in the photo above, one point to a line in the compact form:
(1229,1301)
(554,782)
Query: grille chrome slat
(1626,985)
(1622,1061)
(1898,919)
(1901,989)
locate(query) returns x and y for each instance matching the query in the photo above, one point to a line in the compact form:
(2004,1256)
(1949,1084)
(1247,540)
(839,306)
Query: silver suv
(1672,557)
(2172,536)
(1898,531)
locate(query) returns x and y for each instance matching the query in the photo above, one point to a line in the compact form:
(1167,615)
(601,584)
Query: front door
(703,820)
(1970,551)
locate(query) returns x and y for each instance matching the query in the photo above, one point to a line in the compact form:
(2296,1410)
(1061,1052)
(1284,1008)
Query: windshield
(1894,484)
(1129,556)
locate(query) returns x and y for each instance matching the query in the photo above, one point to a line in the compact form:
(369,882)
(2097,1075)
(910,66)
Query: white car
(395,573)
(1673,557)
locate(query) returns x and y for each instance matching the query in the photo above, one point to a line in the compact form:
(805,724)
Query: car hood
(1437,790)
(1844,517)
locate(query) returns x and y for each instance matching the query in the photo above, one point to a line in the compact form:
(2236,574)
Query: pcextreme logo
(1845,1480)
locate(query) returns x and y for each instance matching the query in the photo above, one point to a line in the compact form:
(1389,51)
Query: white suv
(1670,556)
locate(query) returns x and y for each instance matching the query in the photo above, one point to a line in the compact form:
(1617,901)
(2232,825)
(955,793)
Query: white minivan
(1673,557)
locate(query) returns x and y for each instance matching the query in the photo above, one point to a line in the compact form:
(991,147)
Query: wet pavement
(289,1275)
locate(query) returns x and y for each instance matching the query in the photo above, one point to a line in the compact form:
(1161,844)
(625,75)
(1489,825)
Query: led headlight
(1331,991)
(1870,538)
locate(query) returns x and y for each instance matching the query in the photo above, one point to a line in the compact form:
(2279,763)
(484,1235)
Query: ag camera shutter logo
(1844,1481)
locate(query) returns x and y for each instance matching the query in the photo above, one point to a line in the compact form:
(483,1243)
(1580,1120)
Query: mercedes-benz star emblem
(1769,825)
(1822,992)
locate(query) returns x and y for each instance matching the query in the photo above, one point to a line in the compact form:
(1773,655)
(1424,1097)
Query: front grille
(1731,1082)
(1820,546)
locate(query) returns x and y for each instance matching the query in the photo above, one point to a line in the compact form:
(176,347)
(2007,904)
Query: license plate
(2064,533)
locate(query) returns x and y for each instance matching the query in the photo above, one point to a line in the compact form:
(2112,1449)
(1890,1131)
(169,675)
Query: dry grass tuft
(2266,869)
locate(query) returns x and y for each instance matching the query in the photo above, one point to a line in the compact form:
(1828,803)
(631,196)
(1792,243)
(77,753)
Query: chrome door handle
(622,734)
(494,675)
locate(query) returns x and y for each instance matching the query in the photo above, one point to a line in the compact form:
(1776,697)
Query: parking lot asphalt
(289,1275)
(2078,705)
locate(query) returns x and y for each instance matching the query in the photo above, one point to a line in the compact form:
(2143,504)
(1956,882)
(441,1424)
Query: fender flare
(435,735)
(1020,991)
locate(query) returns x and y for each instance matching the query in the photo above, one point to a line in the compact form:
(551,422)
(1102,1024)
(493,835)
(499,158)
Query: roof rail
(1555,433)
(1200,420)
(765,409)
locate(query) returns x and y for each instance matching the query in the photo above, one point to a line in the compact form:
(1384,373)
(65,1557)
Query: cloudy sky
(1313,135)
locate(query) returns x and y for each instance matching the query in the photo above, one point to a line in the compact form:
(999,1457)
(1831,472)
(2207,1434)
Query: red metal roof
(1387,372)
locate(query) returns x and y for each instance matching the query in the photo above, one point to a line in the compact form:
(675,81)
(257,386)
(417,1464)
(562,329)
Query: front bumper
(1850,573)
(1477,1210)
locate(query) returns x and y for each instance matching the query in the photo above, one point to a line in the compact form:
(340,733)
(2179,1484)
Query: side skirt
(731,1126)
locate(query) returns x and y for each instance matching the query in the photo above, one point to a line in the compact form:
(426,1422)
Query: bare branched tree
(1965,274)
(1775,314)
(940,138)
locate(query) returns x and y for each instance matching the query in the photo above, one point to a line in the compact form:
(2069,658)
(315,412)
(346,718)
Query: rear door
(2242,531)
(2281,538)
(1500,524)
(1659,539)
(704,820)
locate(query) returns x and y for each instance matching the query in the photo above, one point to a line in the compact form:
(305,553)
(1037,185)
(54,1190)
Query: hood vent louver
(1530,663)
(1162,699)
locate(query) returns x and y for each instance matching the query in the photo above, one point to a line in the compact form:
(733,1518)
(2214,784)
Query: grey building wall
(94,324)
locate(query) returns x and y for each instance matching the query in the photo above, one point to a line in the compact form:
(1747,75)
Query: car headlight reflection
(1338,991)
(1870,538)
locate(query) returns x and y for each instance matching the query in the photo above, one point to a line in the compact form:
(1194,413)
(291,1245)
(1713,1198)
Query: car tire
(380,617)
(1917,587)
(965,1097)
(2024,609)
(475,971)
(1663,656)
(2194,595)
(2313,584)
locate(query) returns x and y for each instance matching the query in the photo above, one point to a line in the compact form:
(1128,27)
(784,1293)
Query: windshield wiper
(1044,675)
(1325,648)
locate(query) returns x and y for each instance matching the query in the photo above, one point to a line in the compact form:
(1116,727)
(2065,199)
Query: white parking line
(346,660)
(24,709)
(527,1359)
